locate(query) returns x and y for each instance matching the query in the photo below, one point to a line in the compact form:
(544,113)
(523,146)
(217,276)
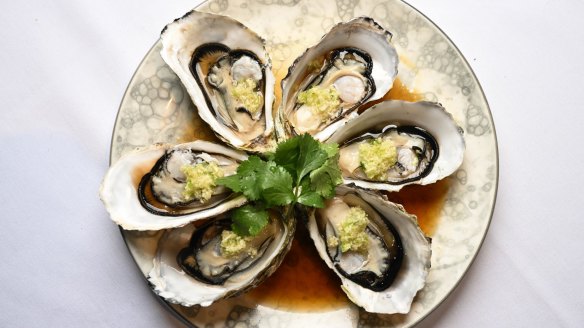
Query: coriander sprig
(301,170)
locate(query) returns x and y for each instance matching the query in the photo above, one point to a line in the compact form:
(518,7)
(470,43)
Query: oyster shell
(143,190)
(354,62)
(227,72)
(189,267)
(429,145)
(386,278)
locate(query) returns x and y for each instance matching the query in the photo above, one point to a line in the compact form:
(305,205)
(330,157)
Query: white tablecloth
(65,66)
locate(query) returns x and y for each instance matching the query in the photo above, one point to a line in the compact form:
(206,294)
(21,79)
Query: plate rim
(496,180)
(188,323)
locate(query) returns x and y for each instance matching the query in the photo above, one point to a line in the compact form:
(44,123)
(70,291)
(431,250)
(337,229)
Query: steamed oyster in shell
(385,274)
(227,72)
(354,62)
(396,143)
(148,189)
(191,268)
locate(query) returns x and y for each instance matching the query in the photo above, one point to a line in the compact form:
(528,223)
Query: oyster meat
(396,143)
(392,261)
(354,62)
(191,267)
(376,248)
(227,72)
(148,189)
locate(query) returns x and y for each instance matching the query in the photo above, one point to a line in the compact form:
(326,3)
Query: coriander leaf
(310,156)
(231,182)
(322,184)
(274,175)
(278,196)
(276,184)
(305,184)
(247,179)
(301,170)
(325,178)
(249,220)
(286,155)
(311,198)
(250,165)
(331,149)
(269,155)
(250,186)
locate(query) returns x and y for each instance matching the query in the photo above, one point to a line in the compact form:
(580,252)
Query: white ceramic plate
(156,108)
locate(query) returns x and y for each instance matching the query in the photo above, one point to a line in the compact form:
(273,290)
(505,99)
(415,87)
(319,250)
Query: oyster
(148,189)
(387,274)
(354,62)
(227,72)
(191,268)
(415,143)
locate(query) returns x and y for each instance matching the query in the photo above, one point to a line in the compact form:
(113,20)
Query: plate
(456,212)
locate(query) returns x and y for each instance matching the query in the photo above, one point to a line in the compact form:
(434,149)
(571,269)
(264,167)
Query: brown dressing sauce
(201,130)
(304,283)
(425,202)
(137,176)
(399,91)
(140,171)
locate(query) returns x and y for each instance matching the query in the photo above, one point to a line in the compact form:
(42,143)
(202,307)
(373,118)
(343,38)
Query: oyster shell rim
(372,300)
(132,218)
(281,121)
(195,92)
(490,202)
(273,263)
(436,173)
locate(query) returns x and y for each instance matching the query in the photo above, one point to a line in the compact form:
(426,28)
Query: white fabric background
(65,66)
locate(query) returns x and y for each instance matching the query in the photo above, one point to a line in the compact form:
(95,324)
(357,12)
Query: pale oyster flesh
(348,73)
(386,278)
(167,180)
(415,153)
(190,267)
(354,62)
(227,72)
(376,267)
(426,142)
(144,189)
(224,74)
(204,259)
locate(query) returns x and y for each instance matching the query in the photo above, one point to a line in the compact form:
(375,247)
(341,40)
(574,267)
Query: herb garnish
(301,170)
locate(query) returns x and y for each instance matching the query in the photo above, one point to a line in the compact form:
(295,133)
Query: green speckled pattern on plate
(156,108)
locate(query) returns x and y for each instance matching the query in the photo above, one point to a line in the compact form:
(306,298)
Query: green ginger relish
(233,244)
(352,235)
(244,92)
(323,102)
(201,180)
(377,157)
